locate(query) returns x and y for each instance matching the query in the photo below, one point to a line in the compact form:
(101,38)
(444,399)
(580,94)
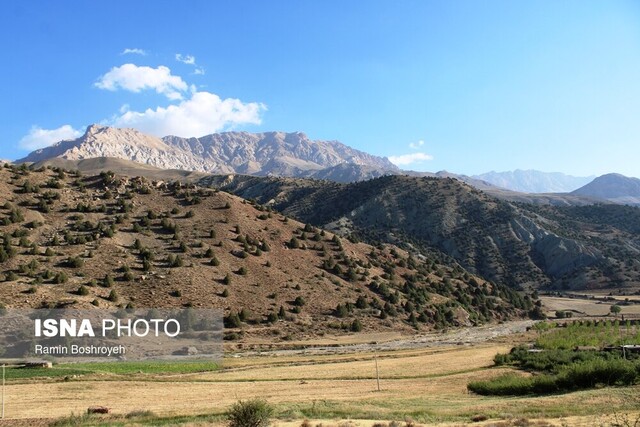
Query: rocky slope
(270,153)
(112,241)
(512,243)
(343,172)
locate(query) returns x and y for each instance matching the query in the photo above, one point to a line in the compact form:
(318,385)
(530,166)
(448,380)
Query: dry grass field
(584,307)
(425,385)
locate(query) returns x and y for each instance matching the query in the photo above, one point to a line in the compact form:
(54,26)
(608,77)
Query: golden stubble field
(586,307)
(426,385)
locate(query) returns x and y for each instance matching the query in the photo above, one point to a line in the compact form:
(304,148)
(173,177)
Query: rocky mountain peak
(268,153)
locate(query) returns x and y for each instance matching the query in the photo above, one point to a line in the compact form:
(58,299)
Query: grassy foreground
(14,374)
(427,386)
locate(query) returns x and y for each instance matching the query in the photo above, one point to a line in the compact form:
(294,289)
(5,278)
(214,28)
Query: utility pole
(3,391)
(375,357)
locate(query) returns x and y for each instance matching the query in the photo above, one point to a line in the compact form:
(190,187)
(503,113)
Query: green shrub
(60,277)
(596,372)
(107,282)
(75,262)
(175,261)
(137,244)
(341,311)
(113,296)
(576,376)
(294,243)
(504,385)
(232,321)
(250,413)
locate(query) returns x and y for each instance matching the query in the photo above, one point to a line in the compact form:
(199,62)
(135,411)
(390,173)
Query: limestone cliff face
(129,144)
(270,153)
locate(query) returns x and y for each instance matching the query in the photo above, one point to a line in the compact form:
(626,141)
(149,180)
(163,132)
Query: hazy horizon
(408,169)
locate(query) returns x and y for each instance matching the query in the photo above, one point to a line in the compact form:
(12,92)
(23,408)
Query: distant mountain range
(561,240)
(269,153)
(284,154)
(614,188)
(532,181)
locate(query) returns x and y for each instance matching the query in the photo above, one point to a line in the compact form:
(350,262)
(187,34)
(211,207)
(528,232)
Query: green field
(567,358)
(586,333)
(117,369)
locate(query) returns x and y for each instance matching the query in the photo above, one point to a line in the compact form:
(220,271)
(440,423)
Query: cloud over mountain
(202,114)
(408,159)
(189,112)
(135,79)
(39,138)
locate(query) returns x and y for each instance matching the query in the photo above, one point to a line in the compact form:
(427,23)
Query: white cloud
(416,145)
(190,60)
(135,79)
(134,51)
(408,159)
(186,59)
(202,114)
(40,138)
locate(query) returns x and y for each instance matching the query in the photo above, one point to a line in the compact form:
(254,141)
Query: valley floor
(426,384)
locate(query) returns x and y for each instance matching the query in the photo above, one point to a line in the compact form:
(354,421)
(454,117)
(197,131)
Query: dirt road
(461,336)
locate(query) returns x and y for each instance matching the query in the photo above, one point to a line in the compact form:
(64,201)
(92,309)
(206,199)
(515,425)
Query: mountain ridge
(613,187)
(522,245)
(266,153)
(274,153)
(534,181)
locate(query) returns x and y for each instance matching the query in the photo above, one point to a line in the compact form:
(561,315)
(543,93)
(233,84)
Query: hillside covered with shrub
(112,241)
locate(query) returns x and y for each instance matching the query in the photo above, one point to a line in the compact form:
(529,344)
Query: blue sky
(466,86)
